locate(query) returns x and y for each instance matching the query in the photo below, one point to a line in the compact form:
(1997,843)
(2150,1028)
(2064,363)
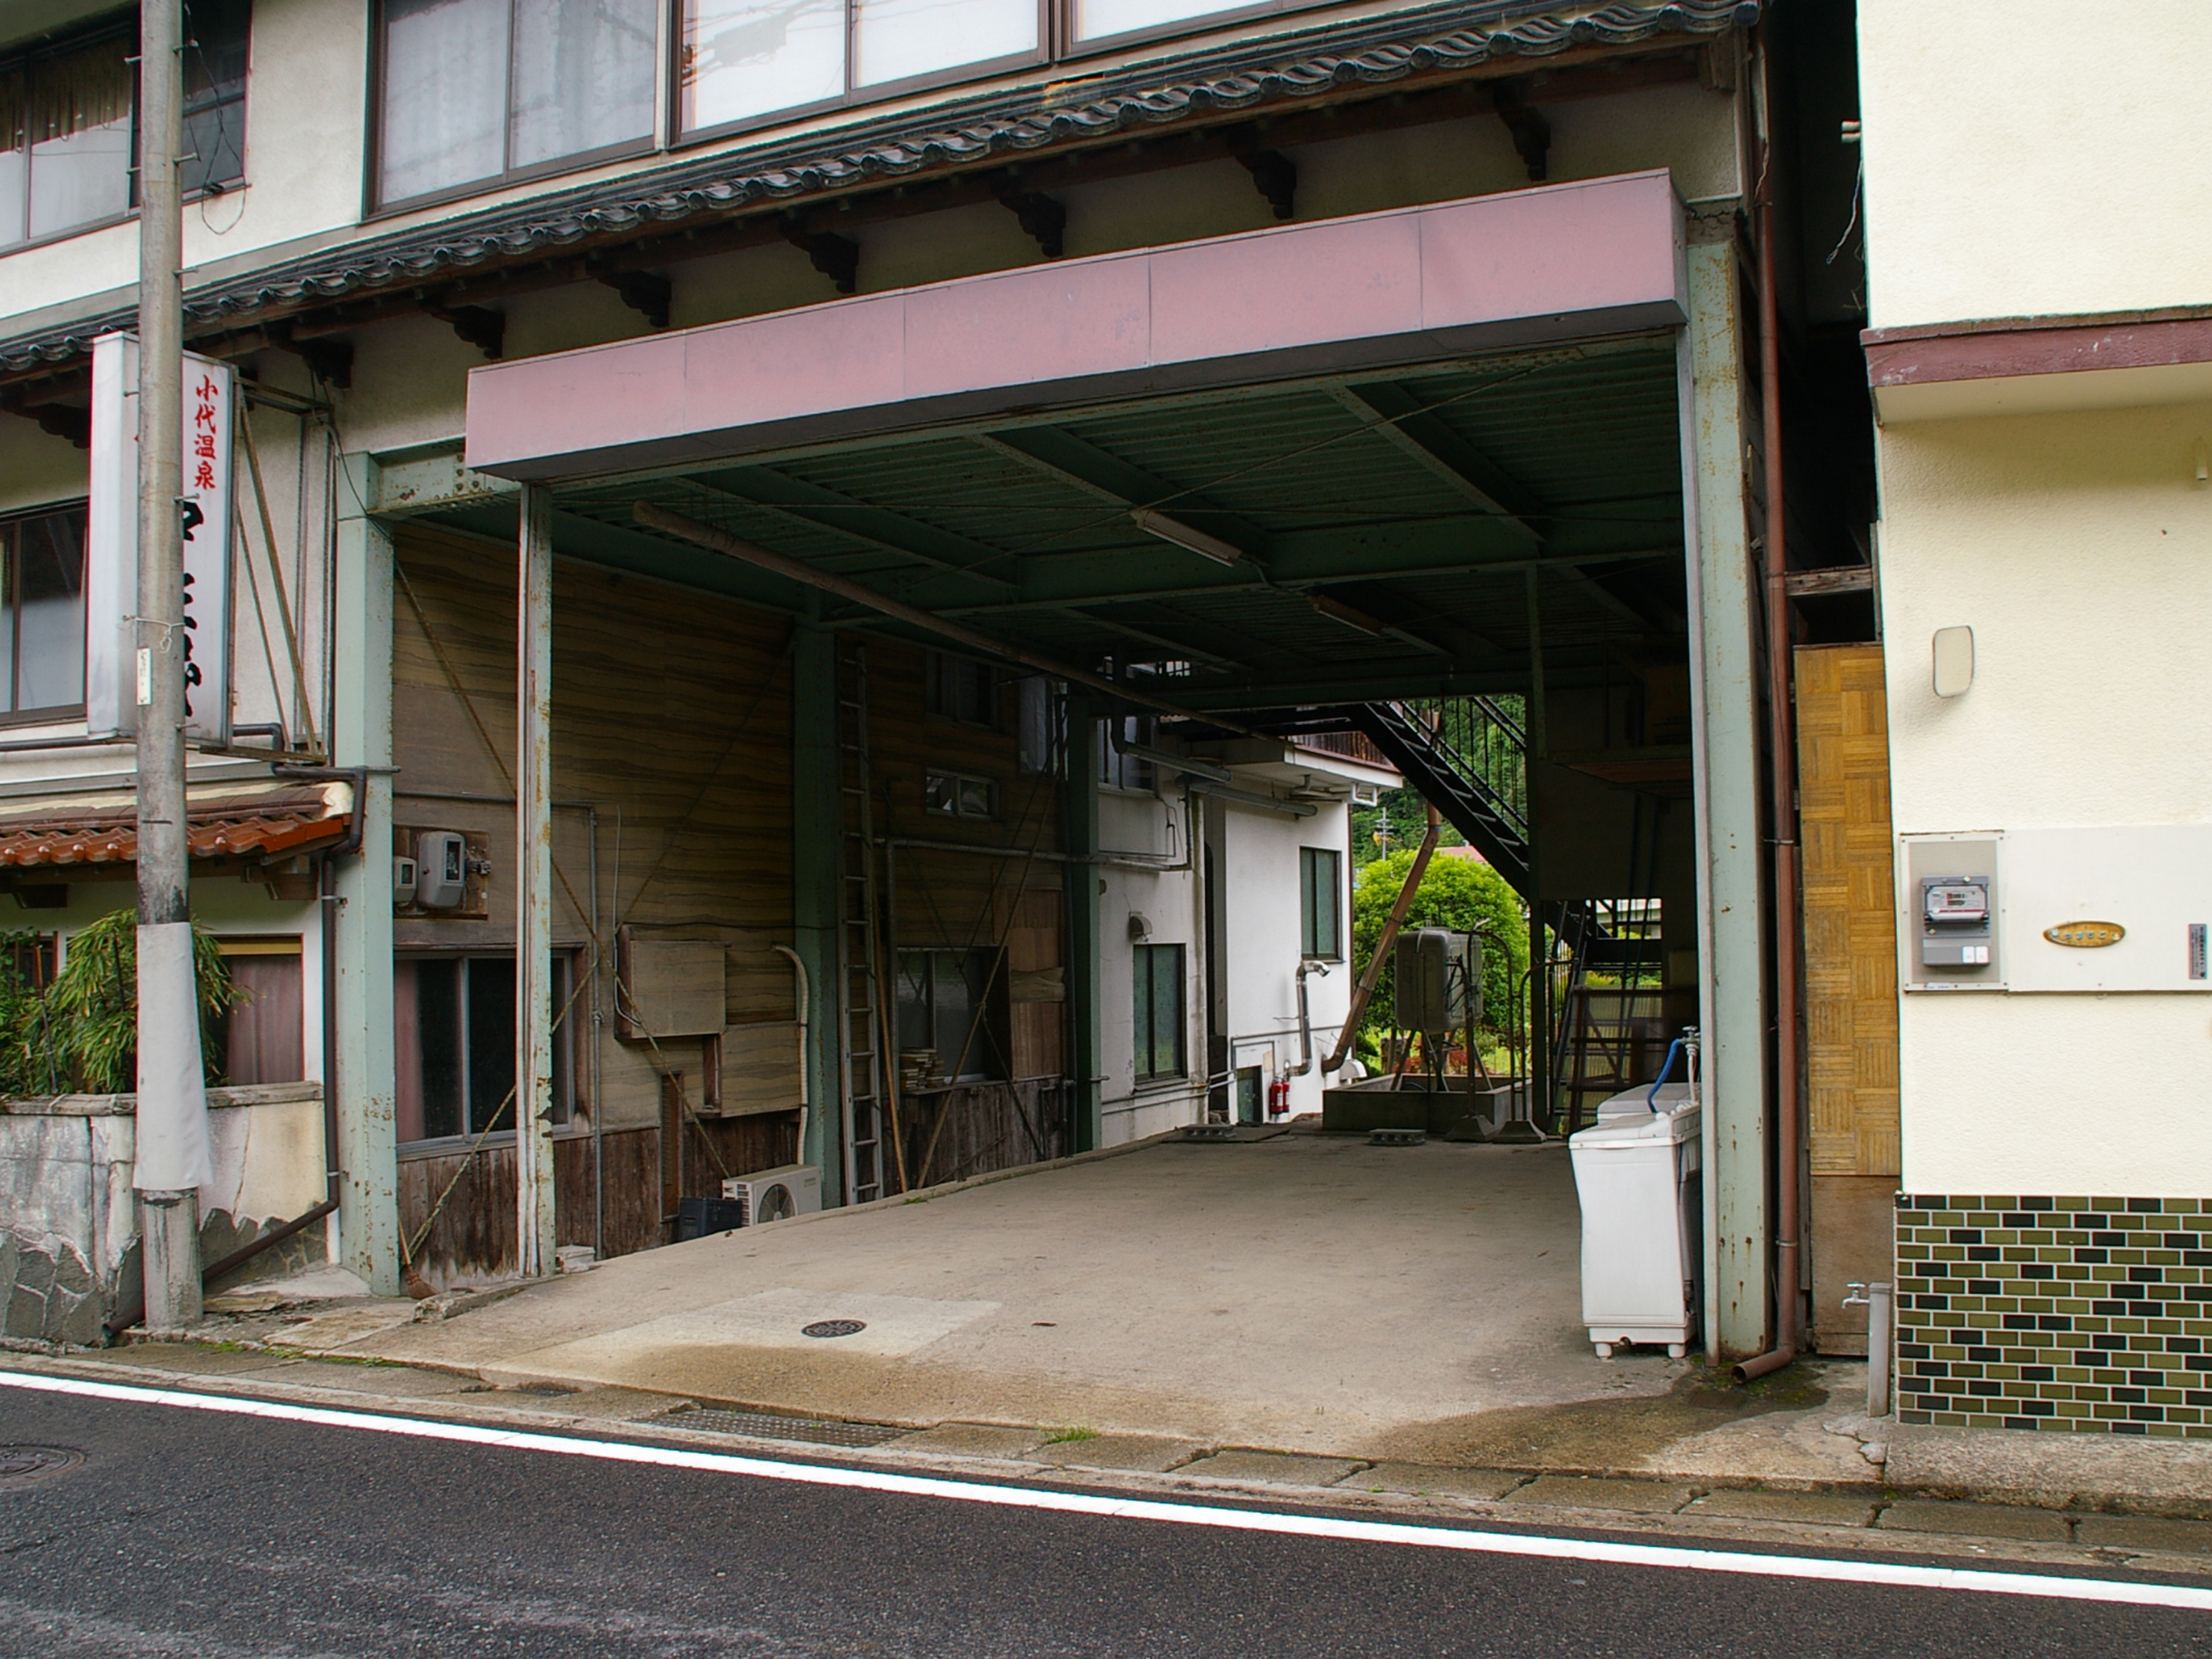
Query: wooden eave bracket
(1532,133)
(58,420)
(1042,217)
(646,292)
(1275,176)
(476,325)
(837,258)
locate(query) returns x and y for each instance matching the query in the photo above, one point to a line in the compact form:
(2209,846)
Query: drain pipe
(1781,755)
(1306,965)
(799,984)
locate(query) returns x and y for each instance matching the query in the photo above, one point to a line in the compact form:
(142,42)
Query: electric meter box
(441,869)
(1950,925)
(1439,980)
(2090,908)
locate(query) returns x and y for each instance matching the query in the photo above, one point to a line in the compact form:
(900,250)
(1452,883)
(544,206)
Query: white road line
(1130,1508)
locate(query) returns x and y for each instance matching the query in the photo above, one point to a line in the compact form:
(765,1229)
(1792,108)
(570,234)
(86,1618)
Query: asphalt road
(189,1533)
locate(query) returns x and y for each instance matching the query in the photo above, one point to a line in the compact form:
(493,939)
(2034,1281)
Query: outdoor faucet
(1876,1299)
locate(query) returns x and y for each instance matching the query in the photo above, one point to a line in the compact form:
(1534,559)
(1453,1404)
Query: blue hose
(1666,1065)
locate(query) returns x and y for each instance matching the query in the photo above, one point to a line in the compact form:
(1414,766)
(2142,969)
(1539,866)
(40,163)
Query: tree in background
(1460,893)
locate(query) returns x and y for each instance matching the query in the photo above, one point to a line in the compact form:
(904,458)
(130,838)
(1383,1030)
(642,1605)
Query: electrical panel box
(2090,908)
(1438,974)
(1951,933)
(441,869)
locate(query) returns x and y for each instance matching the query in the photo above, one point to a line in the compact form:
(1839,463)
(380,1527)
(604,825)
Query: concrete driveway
(1306,1292)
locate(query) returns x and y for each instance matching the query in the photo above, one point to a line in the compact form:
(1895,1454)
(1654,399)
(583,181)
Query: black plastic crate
(697,1217)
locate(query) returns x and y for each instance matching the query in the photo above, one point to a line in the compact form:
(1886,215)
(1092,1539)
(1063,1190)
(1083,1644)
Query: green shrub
(80,1034)
(1459,893)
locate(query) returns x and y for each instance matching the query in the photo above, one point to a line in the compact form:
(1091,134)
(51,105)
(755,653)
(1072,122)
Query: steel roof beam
(783,496)
(1399,418)
(1082,465)
(1296,587)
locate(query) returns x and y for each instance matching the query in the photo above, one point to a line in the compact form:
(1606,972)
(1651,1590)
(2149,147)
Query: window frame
(1309,912)
(1056,44)
(1051,21)
(938,666)
(375,207)
(127,33)
(1149,955)
(568,1101)
(53,714)
(959,779)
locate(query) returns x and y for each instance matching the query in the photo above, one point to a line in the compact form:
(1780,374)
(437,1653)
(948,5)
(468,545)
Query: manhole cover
(22,1466)
(833,1327)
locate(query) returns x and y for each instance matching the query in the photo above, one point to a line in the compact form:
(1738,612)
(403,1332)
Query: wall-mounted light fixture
(1954,661)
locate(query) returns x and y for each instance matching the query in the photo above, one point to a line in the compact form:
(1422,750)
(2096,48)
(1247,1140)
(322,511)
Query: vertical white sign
(204,503)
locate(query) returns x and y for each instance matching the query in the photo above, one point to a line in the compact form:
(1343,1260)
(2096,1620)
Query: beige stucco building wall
(2034,157)
(2007,174)
(2078,547)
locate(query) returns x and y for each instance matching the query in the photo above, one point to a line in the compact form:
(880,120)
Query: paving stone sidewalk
(1874,1516)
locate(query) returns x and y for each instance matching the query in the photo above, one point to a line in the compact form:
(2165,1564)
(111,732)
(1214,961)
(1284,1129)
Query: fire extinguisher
(1278,1095)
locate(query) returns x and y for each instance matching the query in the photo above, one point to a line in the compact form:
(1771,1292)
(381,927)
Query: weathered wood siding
(671,722)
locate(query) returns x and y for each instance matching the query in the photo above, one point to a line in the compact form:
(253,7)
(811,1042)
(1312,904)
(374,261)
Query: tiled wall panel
(2075,1313)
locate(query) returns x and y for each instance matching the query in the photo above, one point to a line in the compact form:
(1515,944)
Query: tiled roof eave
(1303,66)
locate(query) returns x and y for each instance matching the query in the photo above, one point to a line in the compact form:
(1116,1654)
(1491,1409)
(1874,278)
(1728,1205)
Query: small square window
(955,794)
(958,689)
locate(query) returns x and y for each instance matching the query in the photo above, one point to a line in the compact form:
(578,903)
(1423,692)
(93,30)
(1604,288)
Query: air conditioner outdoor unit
(775,1194)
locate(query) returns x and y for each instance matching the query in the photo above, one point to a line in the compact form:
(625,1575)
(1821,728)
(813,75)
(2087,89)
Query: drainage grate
(833,1328)
(766,1425)
(24,1465)
(1396,1137)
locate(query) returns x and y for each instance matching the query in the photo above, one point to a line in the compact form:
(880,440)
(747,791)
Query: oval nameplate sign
(2086,935)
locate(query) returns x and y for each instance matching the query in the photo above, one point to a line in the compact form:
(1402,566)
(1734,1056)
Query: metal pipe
(1307,965)
(798,976)
(1782,773)
(1365,988)
(736,547)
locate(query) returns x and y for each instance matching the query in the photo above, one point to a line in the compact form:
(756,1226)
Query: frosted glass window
(895,38)
(445,94)
(748,58)
(1097,19)
(42,612)
(583,77)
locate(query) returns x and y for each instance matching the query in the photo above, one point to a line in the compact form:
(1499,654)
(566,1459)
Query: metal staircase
(1449,780)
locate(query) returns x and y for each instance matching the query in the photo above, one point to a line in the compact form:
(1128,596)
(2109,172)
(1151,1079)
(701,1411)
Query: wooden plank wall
(1850,976)
(672,717)
(946,900)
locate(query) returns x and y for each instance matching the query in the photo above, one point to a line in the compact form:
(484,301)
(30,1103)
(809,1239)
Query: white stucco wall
(2029,157)
(2079,549)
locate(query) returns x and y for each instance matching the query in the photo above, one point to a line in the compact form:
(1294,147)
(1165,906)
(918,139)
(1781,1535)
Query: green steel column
(1726,773)
(360,735)
(1087,1045)
(816,821)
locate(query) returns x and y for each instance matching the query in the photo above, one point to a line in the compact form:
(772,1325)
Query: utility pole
(173,1158)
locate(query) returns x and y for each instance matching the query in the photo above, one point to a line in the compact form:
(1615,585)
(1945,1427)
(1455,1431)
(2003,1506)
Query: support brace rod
(736,547)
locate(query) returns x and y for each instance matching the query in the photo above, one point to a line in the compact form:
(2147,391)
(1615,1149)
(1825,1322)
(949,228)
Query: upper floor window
(42,615)
(961,690)
(472,92)
(67,133)
(744,59)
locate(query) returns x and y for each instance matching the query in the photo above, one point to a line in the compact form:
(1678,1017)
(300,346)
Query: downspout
(1308,965)
(799,979)
(1782,771)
